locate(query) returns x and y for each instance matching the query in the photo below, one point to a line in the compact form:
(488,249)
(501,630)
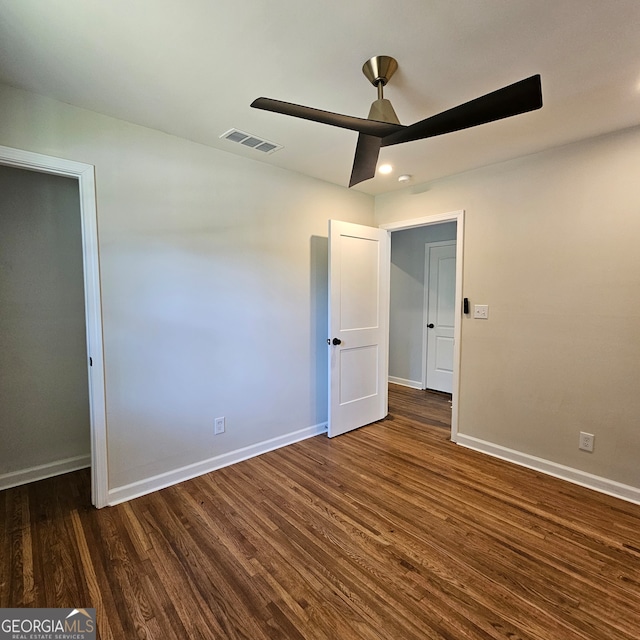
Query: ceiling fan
(382,128)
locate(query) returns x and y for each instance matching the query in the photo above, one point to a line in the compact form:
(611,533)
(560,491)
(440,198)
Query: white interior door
(440,317)
(358,325)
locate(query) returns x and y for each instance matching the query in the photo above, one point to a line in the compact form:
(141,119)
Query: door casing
(458,218)
(84,174)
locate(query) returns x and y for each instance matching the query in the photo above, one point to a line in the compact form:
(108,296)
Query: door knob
(337,341)
(430,325)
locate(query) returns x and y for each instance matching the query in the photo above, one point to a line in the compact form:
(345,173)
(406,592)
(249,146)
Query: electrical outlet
(218,426)
(586,441)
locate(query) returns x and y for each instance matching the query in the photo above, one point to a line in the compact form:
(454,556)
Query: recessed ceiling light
(404,178)
(385,168)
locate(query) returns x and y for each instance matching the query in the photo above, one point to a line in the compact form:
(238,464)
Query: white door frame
(458,218)
(425,304)
(84,174)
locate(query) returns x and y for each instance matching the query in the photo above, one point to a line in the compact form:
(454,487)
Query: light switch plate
(481,311)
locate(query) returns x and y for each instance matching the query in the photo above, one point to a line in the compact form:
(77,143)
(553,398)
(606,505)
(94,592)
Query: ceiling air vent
(248,140)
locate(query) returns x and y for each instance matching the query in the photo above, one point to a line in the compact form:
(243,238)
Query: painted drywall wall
(551,247)
(44,407)
(213,286)
(407,298)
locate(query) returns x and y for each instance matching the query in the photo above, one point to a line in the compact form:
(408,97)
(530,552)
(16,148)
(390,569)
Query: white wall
(551,245)
(407,298)
(44,406)
(214,286)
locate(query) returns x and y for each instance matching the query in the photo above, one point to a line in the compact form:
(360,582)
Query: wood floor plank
(388,532)
(88,570)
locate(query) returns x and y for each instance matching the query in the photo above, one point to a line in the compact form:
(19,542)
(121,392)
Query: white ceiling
(192,67)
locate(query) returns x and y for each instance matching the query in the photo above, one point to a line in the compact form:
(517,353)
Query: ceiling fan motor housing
(382,111)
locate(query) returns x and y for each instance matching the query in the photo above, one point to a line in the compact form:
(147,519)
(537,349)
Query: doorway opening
(84,175)
(424,335)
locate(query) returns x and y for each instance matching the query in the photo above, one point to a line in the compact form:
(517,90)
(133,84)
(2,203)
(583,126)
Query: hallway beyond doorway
(430,407)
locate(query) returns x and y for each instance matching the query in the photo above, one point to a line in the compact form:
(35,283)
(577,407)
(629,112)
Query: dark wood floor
(387,533)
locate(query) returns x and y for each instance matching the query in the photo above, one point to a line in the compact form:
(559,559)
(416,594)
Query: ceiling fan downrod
(378,71)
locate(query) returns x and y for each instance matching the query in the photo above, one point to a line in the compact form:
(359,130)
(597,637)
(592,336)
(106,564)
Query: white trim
(425,221)
(575,476)
(43,471)
(163,480)
(84,173)
(412,384)
(458,218)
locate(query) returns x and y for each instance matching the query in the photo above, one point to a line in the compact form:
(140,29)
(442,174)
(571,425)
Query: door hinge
(91,362)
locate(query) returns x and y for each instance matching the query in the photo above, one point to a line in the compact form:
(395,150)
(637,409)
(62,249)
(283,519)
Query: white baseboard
(582,478)
(163,480)
(43,471)
(406,383)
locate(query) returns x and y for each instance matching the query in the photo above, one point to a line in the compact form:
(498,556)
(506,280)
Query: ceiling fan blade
(520,97)
(362,125)
(366,159)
